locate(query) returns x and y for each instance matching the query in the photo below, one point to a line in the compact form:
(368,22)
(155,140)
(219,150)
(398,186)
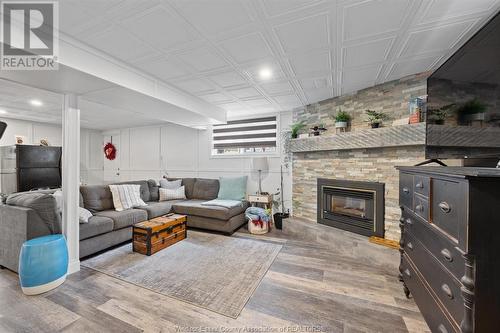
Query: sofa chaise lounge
(108,227)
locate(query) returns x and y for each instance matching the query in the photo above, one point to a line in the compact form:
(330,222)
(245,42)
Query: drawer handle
(447,255)
(447,290)
(420,208)
(410,245)
(442,329)
(419,185)
(445,207)
(409,221)
(407,272)
(406,190)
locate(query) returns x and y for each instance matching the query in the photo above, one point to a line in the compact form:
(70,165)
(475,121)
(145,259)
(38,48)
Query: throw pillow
(126,196)
(174,184)
(84,215)
(232,188)
(172,194)
(58,195)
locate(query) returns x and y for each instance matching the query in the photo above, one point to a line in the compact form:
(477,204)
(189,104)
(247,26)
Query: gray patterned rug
(212,271)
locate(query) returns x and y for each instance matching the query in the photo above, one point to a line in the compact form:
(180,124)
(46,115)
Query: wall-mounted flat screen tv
(463,109)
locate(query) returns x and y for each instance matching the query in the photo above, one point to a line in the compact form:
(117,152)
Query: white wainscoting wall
(153,151)
(91,156)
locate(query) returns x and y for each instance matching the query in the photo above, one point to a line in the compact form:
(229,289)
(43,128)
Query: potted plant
(472,110)
(279,205)
(375,118)
(438,116)
(296,128)
(342,119)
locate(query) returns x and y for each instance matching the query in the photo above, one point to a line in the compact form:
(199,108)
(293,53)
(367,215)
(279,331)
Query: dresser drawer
(445,287)
(422,185)
(406,190)
(440,246)
(431,311)
(421,206)
(448,206)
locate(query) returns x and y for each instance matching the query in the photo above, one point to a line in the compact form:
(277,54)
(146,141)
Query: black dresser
(450,246)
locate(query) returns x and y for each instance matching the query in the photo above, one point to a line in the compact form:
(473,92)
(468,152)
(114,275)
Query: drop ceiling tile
(232,107)
(119,44)
(369,18)
(245,92)
(163,68)
(367,75)
(195,85)
(212,17)
(367,53)
(260,103)
(306,34)
(247,48)
(228,79)
(160,28)
(216,98)
(277,87)
(434,39)
(311,63)
(203,59)
(312,83)
(281,7)
(318,94)
(288,101)
(444,9)
(411,66)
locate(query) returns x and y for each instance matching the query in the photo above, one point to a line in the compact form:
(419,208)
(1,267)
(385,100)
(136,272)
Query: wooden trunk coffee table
(159,233)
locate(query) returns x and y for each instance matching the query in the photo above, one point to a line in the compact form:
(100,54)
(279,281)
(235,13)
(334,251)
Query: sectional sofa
(20,221)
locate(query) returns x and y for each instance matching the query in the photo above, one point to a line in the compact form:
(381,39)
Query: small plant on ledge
(296,128)
(375,118)
(342,119)
(438,116)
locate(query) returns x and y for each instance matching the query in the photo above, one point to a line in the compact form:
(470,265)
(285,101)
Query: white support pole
(71,179)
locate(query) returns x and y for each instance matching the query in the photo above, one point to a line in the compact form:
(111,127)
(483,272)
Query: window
(246,136)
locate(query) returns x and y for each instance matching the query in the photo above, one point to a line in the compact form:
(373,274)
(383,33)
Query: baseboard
(73,266)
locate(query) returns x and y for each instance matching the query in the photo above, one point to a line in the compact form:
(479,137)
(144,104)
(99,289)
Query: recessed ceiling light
(265,73)
(3,111)
(36,102)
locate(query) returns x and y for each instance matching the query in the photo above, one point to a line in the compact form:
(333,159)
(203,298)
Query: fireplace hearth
(354,206)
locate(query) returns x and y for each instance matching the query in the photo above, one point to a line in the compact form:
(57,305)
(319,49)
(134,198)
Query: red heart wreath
(110,151)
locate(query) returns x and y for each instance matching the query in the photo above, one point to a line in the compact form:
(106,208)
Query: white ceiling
(214,50)
(316,49)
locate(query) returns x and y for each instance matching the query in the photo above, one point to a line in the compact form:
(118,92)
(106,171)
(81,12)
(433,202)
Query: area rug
(216,272)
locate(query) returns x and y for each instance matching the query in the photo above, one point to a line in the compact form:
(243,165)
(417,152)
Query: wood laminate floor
(323,280)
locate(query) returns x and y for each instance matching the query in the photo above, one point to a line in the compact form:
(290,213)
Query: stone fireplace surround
(363,154)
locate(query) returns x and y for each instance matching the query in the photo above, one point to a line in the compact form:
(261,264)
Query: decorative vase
(375,125)
(341,124)
(439,122)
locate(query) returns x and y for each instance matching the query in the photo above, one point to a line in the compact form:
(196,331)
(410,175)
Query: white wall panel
(145,148)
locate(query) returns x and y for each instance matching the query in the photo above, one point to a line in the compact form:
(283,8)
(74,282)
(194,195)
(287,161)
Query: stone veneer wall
(377,164)
(391,98)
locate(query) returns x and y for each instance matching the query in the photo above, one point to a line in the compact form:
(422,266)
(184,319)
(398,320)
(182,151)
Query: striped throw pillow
(172,194)
(126,196)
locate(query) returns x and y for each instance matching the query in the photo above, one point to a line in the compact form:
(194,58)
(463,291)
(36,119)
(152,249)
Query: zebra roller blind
(245,134)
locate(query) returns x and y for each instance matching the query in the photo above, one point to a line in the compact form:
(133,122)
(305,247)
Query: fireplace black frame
(378,190)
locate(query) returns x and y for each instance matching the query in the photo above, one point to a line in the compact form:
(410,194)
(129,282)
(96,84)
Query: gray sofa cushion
(194,207)
(97,225)
(188,184)
(229,226)
(145,195)
(97,198)
(153,190)
(125,218)
(44,204)
(205,189)
(155,209)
